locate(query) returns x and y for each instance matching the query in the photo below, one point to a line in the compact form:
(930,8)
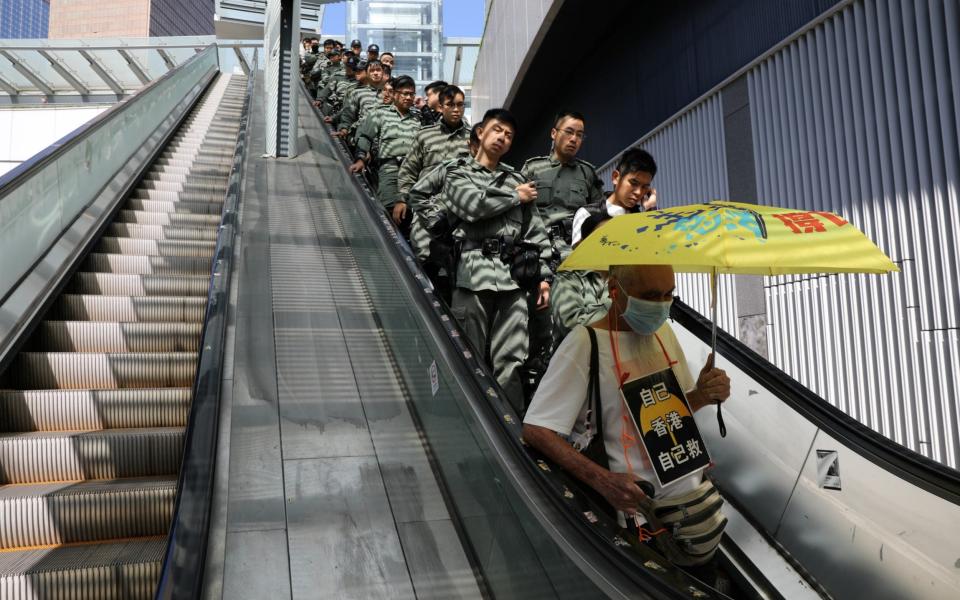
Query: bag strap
(594,404)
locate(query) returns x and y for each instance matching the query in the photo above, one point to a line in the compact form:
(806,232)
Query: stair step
(84,371)
(85,511)
(96,336)
(52,456)
(132,246)
(147,265)
(168,206)
(111,284)
(128,569)
(89,410)
(129,309)
(162,232)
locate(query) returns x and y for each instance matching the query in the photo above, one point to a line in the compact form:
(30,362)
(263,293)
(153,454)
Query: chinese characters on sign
(809,222)
(667,430)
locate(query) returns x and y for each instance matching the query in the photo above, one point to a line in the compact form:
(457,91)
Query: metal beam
(134,66)
(166,59)
(243,61)
(5,86)
(102,73)
(457,61)
(30,75)
(63,72)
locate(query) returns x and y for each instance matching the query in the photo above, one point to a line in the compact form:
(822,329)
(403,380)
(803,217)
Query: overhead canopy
(95,70)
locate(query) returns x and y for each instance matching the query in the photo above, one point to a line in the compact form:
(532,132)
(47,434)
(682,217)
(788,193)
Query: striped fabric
(489,207)
(432,146)
(392,132)
(357,100)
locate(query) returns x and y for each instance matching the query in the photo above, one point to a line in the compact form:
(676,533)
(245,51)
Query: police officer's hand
(316,103)
(328,119)
(650,202)
(543,296)
(356,167)
(527,192)
(419,102)
(399,212)
(621,491)
(713,385)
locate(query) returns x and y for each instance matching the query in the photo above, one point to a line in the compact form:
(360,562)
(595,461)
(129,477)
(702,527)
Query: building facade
(71,19)
(411,29)
(24,19)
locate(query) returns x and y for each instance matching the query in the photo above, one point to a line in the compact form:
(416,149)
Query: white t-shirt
(560,403)
(614,210)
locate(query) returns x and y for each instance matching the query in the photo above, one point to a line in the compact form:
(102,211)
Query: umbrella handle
(713,343)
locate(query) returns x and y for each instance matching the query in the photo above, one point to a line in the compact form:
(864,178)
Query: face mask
(645,317)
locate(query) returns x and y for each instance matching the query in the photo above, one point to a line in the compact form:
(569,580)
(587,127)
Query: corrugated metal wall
(691,167)
(860,116)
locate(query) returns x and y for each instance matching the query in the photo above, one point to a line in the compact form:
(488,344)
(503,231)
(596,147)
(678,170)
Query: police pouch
(522,257)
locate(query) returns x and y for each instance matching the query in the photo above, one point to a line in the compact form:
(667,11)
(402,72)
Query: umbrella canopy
(732,237)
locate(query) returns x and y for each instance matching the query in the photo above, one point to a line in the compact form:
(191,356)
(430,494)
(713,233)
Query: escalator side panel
(858,529)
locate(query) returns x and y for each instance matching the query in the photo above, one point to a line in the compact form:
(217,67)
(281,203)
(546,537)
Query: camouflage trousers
(496,325)
(387,191)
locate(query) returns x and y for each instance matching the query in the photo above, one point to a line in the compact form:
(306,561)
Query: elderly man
(634,345)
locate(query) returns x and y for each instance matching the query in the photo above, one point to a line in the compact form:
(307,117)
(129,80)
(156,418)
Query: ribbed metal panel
(691,168)
(88,410)
(861,116)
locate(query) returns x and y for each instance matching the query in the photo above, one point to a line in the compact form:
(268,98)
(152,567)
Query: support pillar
(742,175)
(281,33)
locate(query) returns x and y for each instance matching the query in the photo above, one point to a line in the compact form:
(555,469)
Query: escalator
(819,505)
(94,407)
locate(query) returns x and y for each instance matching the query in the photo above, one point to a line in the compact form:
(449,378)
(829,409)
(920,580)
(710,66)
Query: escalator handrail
(20,174)
(182,573)
(616,571)
(901,461)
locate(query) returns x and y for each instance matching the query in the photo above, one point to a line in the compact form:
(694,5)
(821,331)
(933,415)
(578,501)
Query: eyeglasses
(577,134)
(406,94)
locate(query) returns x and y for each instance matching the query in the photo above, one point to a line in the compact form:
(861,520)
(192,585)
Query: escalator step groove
(167,219)
(165,206)
(127,264)
(125,245)
(127,309)
(89,410)
(68,370)
(92,336)
(113,284)
(37,457)
(82,511)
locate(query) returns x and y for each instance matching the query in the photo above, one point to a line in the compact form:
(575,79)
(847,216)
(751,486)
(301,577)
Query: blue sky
(461,18)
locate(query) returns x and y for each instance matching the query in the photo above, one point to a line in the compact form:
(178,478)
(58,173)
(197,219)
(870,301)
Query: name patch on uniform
(665,423)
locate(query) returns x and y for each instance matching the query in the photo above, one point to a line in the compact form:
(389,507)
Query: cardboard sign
(665,423)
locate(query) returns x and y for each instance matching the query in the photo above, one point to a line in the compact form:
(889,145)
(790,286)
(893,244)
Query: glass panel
(116,66)
(516,556)
(78,66)
(38,210)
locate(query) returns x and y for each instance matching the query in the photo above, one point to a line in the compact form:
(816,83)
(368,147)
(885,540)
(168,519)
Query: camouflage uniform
(432,146)
(357,100)
(577,298)
(336,97)
(562,188)
(488,303)
(393,134)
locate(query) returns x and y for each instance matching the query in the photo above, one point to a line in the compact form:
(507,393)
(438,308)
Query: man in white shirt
(632,190)
(634,340)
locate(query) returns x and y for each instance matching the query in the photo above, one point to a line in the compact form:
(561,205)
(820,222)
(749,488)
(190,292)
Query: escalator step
(126,309)
(68,370)
(84,511)
(161,232)
(146,265)
(147,194)
(124,245)
(219,188)
(164,206)
(168,219)
(128,570)
(89,410)
(111,284)
(93,336)
(42,456)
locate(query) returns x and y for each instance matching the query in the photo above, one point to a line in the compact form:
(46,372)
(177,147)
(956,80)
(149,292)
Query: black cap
(362,65)
(334,52)
(373,48)
(356,44)
(352,62)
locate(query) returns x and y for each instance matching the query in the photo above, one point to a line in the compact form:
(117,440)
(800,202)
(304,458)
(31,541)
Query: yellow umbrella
(731,237)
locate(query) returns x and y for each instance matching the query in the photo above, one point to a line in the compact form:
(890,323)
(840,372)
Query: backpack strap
(596,450)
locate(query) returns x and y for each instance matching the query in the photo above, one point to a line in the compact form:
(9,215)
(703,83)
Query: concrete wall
(512,35)
(26,131)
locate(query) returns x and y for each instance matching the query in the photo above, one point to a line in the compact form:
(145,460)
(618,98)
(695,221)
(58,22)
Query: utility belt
(393,160)
(522,257)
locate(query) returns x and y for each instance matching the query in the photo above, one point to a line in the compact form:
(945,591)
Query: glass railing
(42,197)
